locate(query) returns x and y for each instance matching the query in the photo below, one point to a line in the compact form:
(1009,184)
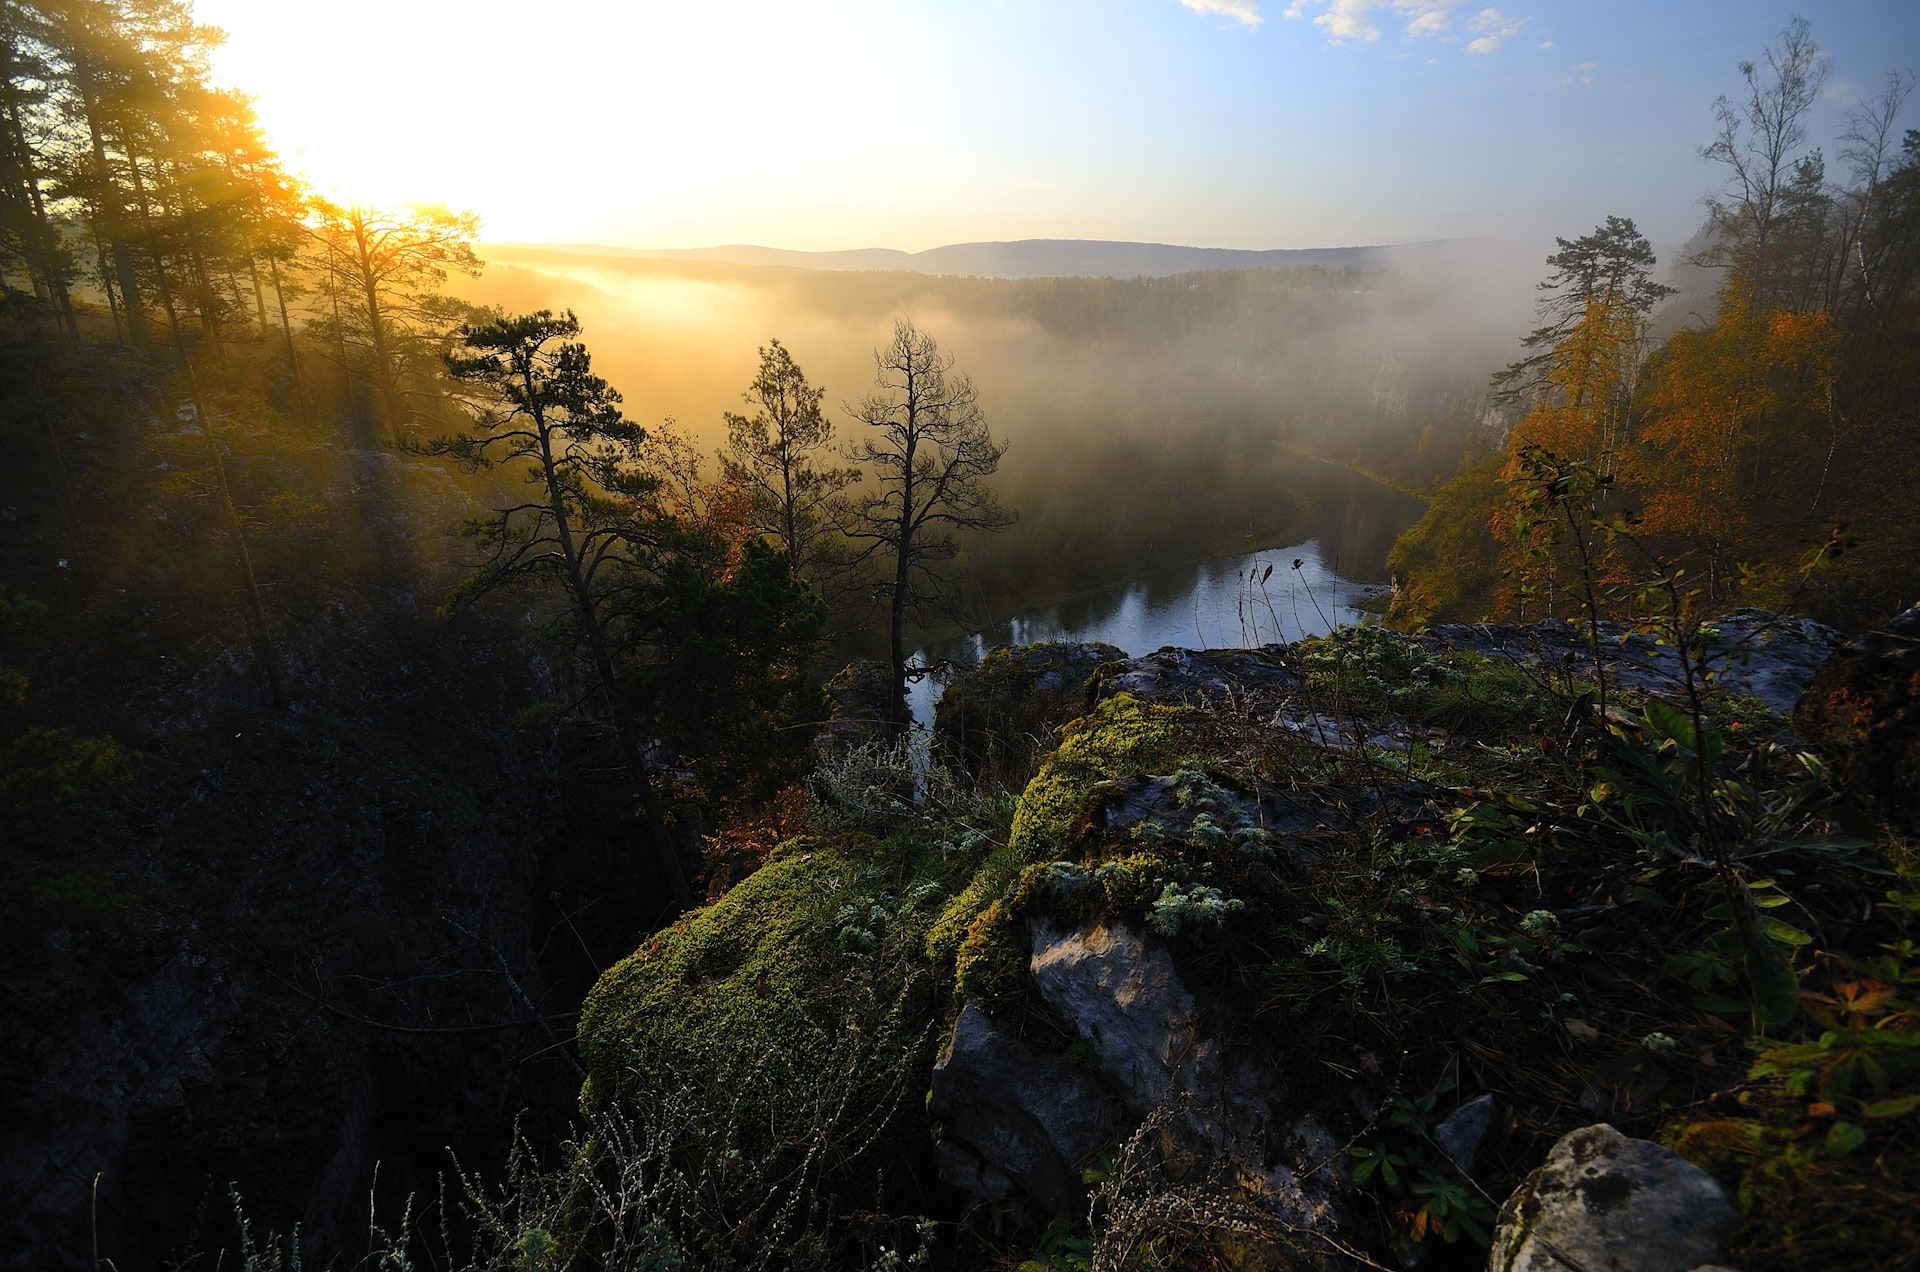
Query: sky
(902,123)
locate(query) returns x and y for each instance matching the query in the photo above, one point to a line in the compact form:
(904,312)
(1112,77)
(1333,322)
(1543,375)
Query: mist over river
(1284,593)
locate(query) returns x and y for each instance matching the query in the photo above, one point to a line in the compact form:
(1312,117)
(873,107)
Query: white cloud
(1346,21)
(1428,17)
(1544,44)
(1343,20)
(1499,29)
(1244,11)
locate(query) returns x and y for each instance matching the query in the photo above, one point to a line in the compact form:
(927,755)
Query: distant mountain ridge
(1031,258)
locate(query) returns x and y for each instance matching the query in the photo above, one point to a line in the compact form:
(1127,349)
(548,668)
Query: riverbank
(1353,516)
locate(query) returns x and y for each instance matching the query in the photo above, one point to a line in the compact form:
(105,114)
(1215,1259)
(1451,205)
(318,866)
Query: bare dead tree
(929,451)
(1759,144)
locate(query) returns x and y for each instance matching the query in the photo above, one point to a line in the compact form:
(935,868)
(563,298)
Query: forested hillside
(1768,447)
(1224,383)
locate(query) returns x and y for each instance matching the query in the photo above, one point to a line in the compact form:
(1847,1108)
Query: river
(1282,593)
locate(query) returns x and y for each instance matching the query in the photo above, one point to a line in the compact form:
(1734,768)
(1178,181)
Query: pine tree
(382,284)
(773,457)
(535,403)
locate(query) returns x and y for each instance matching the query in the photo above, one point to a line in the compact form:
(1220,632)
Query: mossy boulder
(805,974)
(1121,737)
(856,708)
(1362,935)
(1000,717)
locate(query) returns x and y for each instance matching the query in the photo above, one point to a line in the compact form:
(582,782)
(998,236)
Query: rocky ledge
(1369,951)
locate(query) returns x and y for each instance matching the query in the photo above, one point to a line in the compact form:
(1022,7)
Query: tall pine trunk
(263,648)
(108,205)
(286,330)
(604,670)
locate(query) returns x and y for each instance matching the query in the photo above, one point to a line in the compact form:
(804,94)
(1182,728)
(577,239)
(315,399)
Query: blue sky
(849,123)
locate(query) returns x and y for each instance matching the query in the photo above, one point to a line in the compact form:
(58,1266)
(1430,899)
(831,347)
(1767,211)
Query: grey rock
(1055,666)
(1122,995)
(1783,654)
(1125,1000)
(1605,1203)
(964,1168)
(1461,1131)
(1294,824)
(1020,1116)
(1181,676)
(1756,652)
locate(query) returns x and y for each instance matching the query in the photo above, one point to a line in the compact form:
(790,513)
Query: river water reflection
(1280,594)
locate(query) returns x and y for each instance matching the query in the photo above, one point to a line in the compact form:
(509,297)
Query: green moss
(1818,1192)
(1120,737)
(999,872)
(989,959)
(767,979)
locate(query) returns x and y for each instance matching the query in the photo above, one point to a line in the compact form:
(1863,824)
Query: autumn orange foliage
(749,832)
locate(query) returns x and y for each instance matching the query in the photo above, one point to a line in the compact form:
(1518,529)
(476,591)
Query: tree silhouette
(534,401)
(930,452)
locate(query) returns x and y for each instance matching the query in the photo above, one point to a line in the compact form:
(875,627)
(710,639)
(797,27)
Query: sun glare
(683,114)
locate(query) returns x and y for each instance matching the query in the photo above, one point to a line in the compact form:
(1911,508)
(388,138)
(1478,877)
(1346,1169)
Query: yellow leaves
(1801,341)
(1593,372)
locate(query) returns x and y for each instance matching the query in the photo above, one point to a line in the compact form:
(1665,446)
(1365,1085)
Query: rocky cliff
(1369,951)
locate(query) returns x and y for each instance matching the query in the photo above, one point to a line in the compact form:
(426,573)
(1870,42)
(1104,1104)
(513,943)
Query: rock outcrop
(1125,1001)
(1231,960)
(1863,712)
(1011,1115)
(1016,1117)
(1195,676)
(1605,1203)
(995,719)
(1756,653)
